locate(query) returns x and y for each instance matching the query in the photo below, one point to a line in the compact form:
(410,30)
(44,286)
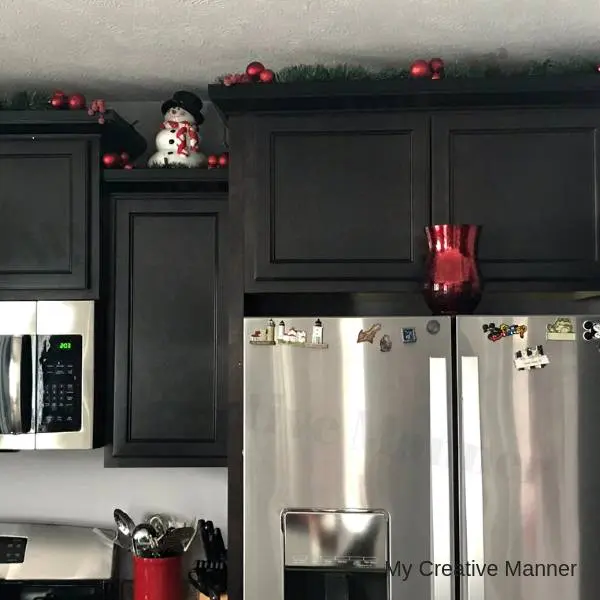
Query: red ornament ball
(213,161)
(436,65)
(420,68)
(111,160)
(58,100)
(77,102)
(254,69)
(224,159)
(125,157)
(267,76)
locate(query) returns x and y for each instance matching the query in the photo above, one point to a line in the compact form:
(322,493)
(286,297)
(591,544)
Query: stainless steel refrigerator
(387,446)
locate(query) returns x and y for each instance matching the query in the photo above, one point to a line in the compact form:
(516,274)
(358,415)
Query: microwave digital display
(60,359)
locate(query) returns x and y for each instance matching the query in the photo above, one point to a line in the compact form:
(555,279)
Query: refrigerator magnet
(369,334)
(262,337)
(591,330)
(293,337)
(433,327)
(316,340)
(497,332)
(385,344)
(531,358)
(409,335)
(562,330)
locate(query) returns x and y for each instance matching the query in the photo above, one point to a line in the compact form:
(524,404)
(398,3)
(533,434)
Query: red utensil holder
(158,578)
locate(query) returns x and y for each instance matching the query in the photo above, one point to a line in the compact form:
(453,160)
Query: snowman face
(179,115)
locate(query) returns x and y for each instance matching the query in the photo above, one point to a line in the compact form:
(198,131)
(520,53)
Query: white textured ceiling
(145,49)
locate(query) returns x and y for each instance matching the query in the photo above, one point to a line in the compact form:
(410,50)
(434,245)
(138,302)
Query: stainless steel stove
(55,562)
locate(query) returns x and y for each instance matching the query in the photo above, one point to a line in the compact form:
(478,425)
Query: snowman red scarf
(186,134)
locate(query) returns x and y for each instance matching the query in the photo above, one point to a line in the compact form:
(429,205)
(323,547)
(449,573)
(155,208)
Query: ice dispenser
(335,554)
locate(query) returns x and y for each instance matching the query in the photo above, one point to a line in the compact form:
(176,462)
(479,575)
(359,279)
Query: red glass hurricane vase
(453,284)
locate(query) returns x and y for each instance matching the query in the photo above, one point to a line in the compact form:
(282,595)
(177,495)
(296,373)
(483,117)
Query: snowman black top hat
(188,101)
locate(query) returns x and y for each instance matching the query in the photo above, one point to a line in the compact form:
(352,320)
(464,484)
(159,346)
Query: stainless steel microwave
(46,375)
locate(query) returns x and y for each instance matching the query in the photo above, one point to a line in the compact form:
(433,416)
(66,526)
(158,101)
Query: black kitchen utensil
(219,545)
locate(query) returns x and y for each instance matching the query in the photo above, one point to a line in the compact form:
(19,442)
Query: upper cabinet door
(335,199)
(169,330)
(49,224)
(530,178)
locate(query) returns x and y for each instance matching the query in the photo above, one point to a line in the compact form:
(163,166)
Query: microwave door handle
(17,389)
(28,384)
(11,383)
(6,412)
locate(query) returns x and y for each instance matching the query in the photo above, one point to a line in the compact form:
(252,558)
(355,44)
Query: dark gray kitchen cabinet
(337,181)
(333,201)
(169,354)
(530,178)
(49,216)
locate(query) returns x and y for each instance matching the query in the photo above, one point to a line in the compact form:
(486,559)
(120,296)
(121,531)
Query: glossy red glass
(452,283)
(158,578)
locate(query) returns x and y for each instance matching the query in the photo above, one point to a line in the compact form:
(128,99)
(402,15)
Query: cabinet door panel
(49,224)
(169,327)
(530,179)
(337,198)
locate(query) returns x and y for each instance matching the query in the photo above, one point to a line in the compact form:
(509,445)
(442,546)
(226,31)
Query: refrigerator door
(17,375)
(529,448)
(357,425)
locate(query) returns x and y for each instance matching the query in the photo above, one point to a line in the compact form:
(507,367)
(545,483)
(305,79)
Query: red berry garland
(255,73)
(97,107)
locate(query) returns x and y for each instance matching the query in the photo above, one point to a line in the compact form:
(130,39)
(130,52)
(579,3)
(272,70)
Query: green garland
(26,101)
(454,70)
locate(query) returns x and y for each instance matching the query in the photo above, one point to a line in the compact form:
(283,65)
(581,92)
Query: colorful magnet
(591,330)
(385,344)
(531,358)
(562,330)
(409,335)
(497,332)
(369,334)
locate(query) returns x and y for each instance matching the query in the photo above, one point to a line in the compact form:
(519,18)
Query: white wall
(74,487)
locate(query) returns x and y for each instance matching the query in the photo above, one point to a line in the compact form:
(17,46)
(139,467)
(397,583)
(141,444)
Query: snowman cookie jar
(178,142)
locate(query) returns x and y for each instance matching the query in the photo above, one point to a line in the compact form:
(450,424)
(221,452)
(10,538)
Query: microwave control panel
(12,549)
(60,359)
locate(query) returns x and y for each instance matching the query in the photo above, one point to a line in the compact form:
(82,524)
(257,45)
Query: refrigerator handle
(471,477)
(439,452)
